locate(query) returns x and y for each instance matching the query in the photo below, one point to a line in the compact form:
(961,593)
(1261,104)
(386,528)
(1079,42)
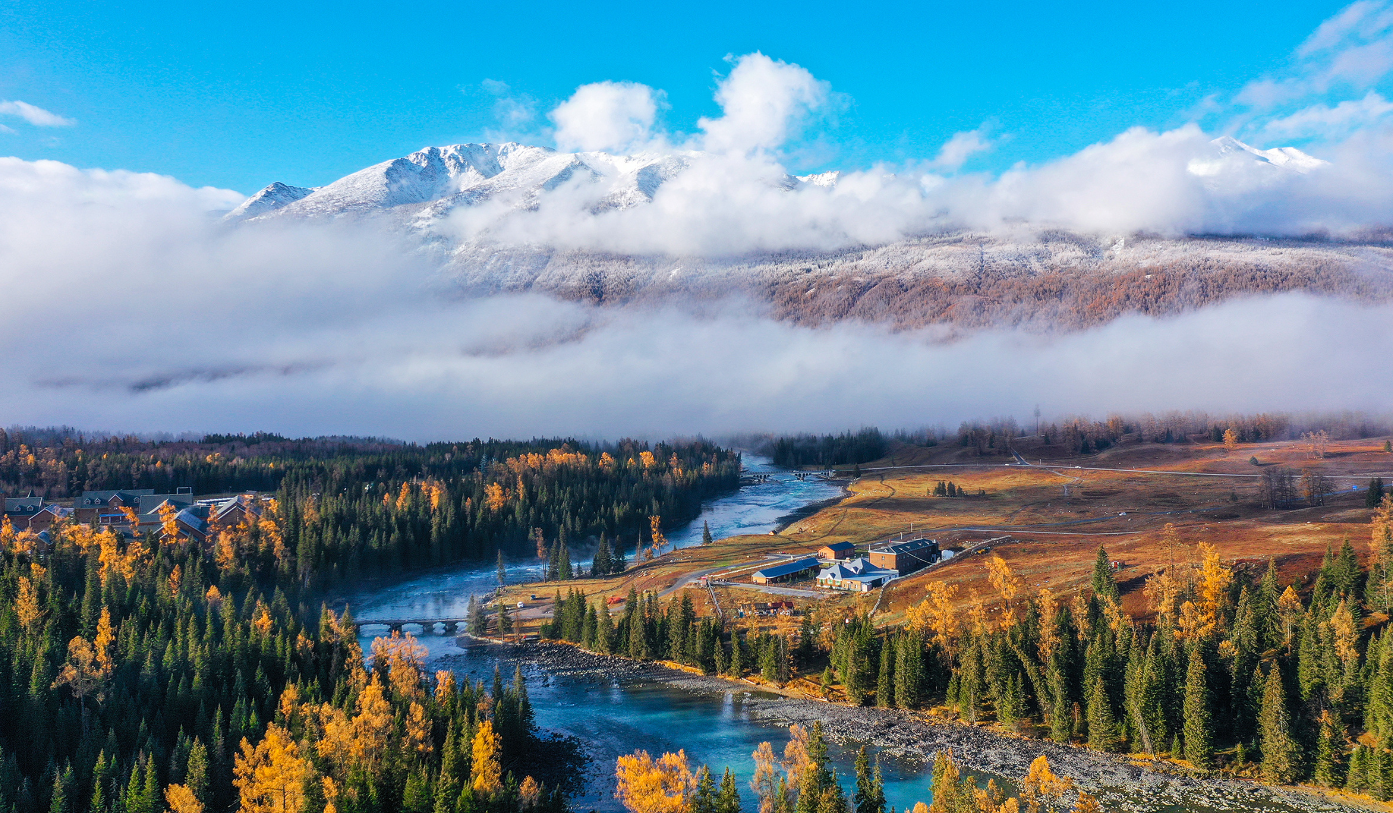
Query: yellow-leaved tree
(646,785)
(487,775)
(1042,789)
(270,776)
(27,605)
(181,799)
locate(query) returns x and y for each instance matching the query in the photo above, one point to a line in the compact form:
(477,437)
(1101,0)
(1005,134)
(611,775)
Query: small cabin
(836,551)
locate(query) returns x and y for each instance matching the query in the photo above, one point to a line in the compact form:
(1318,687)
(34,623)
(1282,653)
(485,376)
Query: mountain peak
(268,200)
(1286,157)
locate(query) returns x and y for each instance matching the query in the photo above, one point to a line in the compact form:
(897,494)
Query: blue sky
(240,95)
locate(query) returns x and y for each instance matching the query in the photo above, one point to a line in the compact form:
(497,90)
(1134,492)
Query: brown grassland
(1046,520)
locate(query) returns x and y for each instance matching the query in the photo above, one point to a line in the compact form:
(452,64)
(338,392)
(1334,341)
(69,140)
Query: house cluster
(837,567)
(883,563)
(135,512)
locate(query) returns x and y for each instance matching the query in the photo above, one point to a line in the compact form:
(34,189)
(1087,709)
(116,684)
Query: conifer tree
(706,537)
(870,795)
(1199,726)
(729,799)
(1329,752)
(1104,583)
(1279,753)
(1103,732)
(563,568)
(704,795)
(885,681)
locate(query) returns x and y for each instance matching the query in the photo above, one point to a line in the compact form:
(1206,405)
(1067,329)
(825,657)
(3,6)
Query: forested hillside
(137,677)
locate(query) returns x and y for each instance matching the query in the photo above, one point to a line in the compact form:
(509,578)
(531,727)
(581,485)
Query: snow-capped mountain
(431,182)
(427,185)
(273,197)
(1229,153)
(948,276)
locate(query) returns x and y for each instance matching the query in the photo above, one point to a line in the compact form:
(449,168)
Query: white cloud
(1352,50)
(614,116)
(312,328)
(961,147)
(763,103)
(1328,122)
(36,116)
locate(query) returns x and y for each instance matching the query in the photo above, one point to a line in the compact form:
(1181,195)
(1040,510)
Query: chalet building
(904,557)
(787,571)
(856,576)
(229,512)
(21,510)
(836,550)
(104,507)
(44,518)
(108,508)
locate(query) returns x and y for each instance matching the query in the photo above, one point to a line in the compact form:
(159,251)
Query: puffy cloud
(763,102)
(615,116)
(36,116)
(961,147)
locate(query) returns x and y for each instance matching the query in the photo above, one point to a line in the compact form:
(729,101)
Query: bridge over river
(451,625)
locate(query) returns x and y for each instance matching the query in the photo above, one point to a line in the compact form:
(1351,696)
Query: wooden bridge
(452,625)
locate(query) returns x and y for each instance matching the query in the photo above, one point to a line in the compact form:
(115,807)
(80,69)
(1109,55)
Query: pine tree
(564,559)
(885,682)
(1199,726)
(870,796)
(729,799)
(1329,752)
(909,669)
(1104,584)
(1103,733)
(706,537)
(1279,754)
(704,796)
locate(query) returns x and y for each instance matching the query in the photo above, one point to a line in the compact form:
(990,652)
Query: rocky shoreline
(1121,782)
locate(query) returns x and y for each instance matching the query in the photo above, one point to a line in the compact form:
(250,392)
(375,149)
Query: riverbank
(1121,782)
(812,508)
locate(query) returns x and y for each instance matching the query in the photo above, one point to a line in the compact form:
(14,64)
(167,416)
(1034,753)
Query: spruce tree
(885,681)
(729,799)
(867,798)
(706,537)
(1329,752)
(1199,725)
(1279,754)
(563,569)
(1104,584)
(1103,733)
(704,796)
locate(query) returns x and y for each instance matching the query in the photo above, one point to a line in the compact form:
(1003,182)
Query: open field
(1048,518)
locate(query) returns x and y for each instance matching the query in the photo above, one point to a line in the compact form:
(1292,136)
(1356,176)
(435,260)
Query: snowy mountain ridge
(427,185)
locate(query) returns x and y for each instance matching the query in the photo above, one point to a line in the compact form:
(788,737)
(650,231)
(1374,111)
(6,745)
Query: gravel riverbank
(1122,783)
